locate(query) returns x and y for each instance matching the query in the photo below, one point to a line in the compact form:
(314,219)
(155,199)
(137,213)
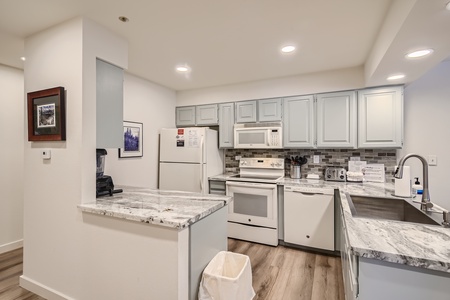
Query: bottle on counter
(417,188)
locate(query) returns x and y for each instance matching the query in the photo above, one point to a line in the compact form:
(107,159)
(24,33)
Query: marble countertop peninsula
(164,208)
(413,244)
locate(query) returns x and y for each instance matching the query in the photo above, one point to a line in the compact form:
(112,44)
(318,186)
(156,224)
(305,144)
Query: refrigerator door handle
(201,165)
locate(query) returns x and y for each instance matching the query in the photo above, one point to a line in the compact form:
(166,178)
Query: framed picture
(132,140)
(47,115)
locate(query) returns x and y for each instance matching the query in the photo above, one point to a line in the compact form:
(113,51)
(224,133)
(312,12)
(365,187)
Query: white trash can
(228,276)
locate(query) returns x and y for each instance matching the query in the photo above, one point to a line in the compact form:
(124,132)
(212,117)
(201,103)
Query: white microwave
(258,136)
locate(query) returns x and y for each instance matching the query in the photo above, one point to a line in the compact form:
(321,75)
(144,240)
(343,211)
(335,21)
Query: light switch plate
(46,154)
(316,159)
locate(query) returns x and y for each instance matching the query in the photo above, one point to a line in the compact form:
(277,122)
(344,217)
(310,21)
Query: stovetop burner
(266,170)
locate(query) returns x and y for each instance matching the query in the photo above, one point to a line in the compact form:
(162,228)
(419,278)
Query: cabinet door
(380,117)
(309,220)
(185,116)
(206,114)
(109,104)
(336,120)
(269,110)
(226,125)
(246,111)
(298,122)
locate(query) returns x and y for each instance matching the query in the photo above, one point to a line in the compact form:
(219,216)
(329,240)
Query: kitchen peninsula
(180,231)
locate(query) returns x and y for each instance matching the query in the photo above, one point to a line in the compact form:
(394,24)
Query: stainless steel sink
(395,209)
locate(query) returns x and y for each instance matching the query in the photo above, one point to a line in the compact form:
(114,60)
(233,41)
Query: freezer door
(182,145)
(181,177)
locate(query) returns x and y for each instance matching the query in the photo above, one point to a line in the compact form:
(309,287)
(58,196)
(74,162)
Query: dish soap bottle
(416,187)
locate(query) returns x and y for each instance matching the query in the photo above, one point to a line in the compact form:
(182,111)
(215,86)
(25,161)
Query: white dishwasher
(309,216)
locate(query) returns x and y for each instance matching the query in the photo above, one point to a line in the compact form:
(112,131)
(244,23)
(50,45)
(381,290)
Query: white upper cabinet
(380,117)
(226,125)
(298,122)
(185,116)
(109,104)
(206,115)
(246,111)
(269,110)
(336,120)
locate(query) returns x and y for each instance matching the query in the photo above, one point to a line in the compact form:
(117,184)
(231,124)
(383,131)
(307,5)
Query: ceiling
(235,41)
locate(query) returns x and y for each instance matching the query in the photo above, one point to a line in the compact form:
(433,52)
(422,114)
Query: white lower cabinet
(309,219)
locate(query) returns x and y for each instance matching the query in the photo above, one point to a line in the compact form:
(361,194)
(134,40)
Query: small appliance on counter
(335,174)
(104,185)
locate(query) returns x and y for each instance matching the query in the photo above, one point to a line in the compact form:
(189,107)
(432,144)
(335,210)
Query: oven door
(253,203)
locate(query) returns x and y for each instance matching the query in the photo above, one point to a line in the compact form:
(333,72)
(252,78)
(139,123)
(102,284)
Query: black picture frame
(133,139)
(47,115)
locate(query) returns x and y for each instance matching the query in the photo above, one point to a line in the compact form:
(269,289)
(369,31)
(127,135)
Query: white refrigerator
(188,157)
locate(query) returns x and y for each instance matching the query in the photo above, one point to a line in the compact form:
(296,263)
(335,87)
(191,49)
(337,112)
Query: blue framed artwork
(132,140)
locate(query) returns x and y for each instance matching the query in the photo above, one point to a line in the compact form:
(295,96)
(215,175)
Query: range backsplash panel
(328,157)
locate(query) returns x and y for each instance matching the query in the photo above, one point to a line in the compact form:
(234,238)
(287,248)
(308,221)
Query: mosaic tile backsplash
(328,157)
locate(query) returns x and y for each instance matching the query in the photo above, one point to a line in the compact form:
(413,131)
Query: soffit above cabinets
(236,41)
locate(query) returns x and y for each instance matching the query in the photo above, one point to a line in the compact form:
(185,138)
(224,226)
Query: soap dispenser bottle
(417,187)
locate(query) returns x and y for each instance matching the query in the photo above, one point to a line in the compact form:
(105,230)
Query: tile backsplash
(328,157)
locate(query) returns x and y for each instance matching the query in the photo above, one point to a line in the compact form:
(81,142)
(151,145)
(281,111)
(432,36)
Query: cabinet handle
(308,236)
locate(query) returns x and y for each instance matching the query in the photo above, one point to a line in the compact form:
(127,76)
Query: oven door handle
(268,186)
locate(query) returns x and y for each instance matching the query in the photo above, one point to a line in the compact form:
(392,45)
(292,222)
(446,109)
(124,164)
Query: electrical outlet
(432,160)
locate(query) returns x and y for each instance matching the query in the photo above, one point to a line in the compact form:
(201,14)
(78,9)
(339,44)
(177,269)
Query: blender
(104,185)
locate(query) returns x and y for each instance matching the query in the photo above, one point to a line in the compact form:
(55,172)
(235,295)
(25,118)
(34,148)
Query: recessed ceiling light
(395,77)
(23,58)
(124,19)
(287,49)
(419,53)
(182,69)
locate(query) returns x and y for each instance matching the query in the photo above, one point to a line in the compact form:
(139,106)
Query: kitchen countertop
(164,208)
(418,245)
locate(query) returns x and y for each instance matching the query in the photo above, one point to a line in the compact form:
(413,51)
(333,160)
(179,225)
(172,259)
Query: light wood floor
(279,273)
(282,273)
(11,267)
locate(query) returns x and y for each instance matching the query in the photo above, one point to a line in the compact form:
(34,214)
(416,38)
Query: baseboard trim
(41,290)
(11,246)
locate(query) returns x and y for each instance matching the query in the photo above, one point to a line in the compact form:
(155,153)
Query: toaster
(335,174)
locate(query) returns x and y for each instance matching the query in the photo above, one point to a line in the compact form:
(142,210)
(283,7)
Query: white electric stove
(253,214)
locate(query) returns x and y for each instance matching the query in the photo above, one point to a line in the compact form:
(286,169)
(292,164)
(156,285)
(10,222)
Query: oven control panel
(261,163)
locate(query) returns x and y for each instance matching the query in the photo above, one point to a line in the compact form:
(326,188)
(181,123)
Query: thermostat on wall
(46,154)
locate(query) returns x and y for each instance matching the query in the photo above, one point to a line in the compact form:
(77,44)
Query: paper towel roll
(403,186)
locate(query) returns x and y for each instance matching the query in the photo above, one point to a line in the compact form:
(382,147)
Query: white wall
(154,106)
(339,80)
(427,125)
(12,131)
(74,255)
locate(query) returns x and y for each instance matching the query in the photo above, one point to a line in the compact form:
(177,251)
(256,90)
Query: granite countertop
(165,208)
(413,244)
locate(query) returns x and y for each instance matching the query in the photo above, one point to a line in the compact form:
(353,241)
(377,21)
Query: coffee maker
(105,185)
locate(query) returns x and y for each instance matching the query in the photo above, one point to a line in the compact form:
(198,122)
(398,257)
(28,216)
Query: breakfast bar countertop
(164,208)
